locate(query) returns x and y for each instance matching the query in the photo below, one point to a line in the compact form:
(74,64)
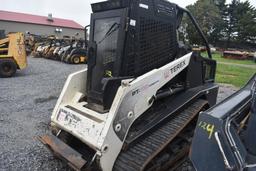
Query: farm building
(39,25)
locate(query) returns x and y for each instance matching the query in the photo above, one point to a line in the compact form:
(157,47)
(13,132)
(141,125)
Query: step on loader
(136,106)
(12,54)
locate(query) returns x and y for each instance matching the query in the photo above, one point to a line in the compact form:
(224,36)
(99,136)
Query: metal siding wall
(39,29)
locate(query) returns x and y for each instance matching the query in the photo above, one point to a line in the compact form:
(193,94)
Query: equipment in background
(67,50)
(12,54)
(76,53)
(136,106)
(225,135)
(2,34)
(238,55)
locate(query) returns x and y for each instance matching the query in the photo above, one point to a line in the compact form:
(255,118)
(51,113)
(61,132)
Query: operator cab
(129,38)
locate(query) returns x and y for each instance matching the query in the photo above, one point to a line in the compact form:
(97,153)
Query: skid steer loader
(225,137)
(12,54)
(136,106)
(77,53)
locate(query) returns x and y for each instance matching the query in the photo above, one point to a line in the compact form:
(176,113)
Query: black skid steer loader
(136,106)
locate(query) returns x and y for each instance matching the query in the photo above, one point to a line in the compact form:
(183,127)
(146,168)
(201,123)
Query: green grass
(235,75)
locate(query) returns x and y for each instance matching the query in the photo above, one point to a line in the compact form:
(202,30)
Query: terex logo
(178,67)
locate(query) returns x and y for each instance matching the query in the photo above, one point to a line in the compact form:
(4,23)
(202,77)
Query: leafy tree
(209,18)
(234,22)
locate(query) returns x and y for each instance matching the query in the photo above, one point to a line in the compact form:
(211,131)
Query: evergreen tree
(234,22)
(241,22)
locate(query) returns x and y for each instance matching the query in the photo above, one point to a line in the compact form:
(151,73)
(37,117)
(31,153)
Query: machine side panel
(205,153)
(17,49)
(217,134)
(75,83)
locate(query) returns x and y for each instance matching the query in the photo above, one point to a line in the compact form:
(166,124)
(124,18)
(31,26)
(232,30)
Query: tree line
(233,22)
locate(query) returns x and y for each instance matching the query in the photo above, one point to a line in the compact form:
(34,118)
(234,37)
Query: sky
(77,10)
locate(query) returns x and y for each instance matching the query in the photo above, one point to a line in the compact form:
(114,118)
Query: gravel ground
(225,91)
(26,103)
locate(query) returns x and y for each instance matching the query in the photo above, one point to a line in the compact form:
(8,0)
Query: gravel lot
(26,103)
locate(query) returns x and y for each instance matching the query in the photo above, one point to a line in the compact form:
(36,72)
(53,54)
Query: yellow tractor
(12,54)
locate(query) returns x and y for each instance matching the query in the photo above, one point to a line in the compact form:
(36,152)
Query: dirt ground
(26,103)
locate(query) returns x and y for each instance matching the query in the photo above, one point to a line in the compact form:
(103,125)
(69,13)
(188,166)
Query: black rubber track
(140,154)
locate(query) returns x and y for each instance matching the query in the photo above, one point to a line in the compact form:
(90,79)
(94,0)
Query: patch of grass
(235,75)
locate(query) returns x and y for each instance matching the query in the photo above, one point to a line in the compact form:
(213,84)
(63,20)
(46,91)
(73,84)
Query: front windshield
(106,32)
(105,35)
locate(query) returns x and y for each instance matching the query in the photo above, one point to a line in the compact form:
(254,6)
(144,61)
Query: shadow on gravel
(43,126)
(43,100)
